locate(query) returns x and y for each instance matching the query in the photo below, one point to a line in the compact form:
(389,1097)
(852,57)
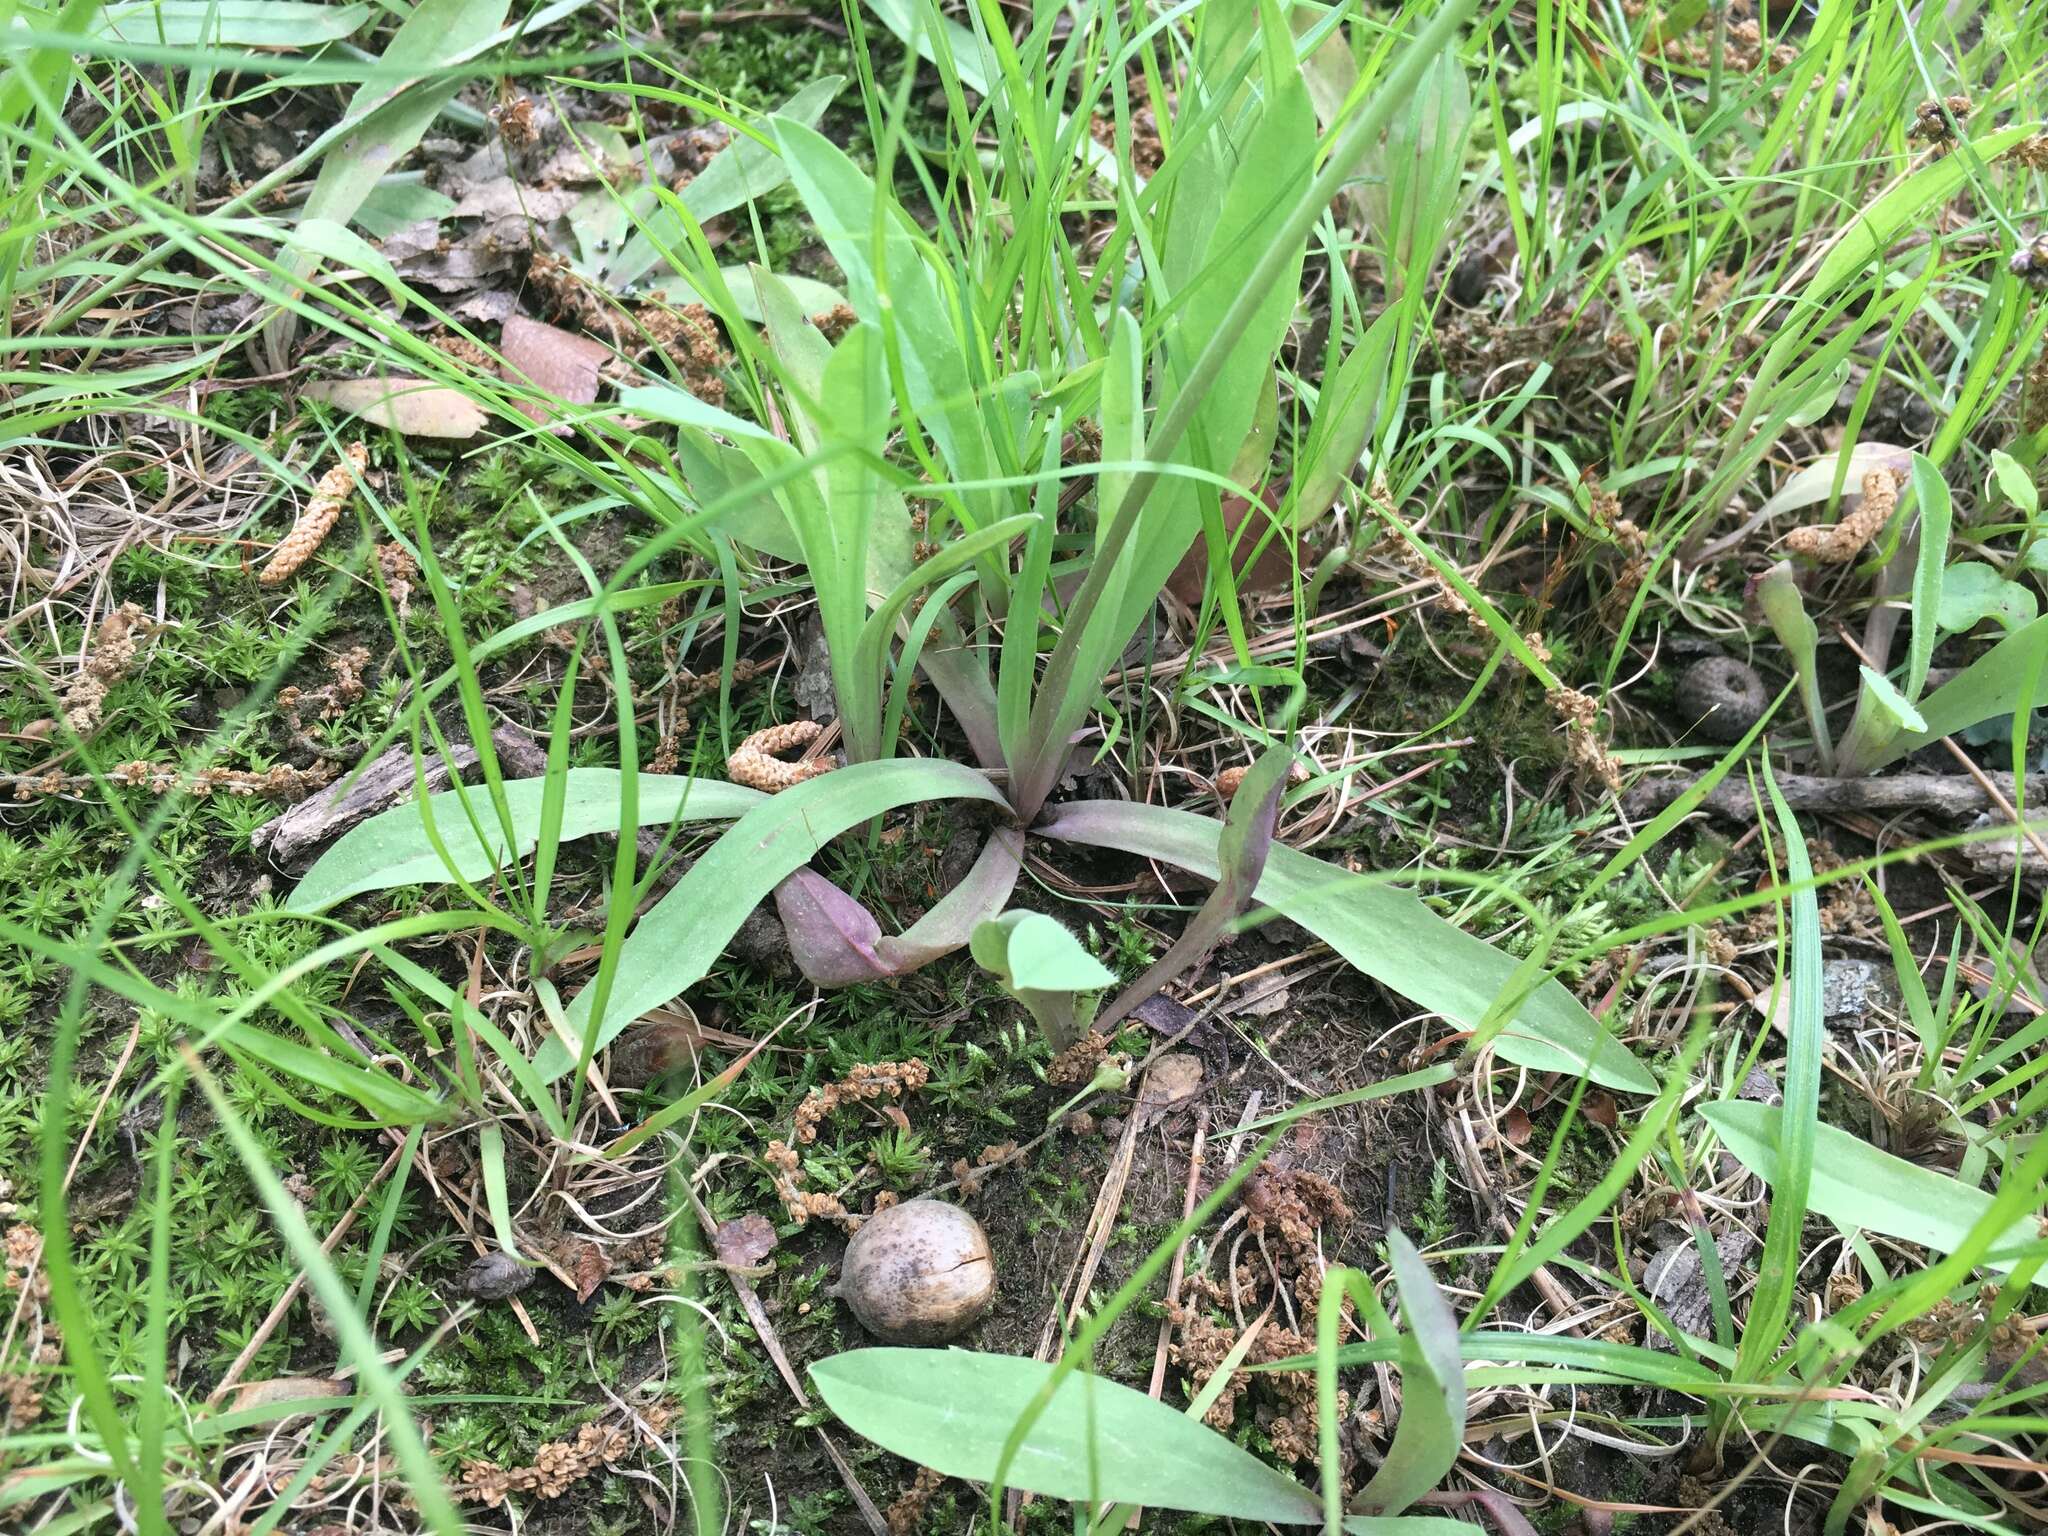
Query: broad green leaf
(1937,513)
(1893,703)
(1856,1185)
(397,201)
(1123,414)
(1881,713)
(1417,176)
(1032,950)
(1777,594)
(1045,968)
(1431,1430)
(1282,149)
(813,296)
(1346,410)
(2015,482)
(1385,932)
(676,942)
(290,24)
(664,402)
(952,1410)
(391,848)
(49,67)
(1972,592)
(1900,208)
(336,243)
(1988,687)
(842,203)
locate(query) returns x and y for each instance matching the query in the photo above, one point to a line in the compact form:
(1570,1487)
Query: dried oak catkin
(319,518)
(755,765)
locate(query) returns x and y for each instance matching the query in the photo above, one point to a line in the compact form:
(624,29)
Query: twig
(1947,794)
(283,1304)
(2005,806)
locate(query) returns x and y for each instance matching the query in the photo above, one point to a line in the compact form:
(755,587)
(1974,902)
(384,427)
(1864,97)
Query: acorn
(918,1273)
(1719,698)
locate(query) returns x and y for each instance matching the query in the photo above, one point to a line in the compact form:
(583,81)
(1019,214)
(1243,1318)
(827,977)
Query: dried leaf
(286,1389)
(592,1266)
(1262,556)
(660,1043)
(505,198)
(411,406)
(411,241)
(552,360)
(1171,1084)
(486,306)
(453,266)
(744,1241)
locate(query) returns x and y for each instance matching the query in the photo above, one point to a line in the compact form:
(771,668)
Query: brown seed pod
(918,1273)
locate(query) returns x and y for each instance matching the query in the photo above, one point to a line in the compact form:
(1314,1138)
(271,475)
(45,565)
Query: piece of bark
(290,839)
(1948,794)
(1677,1281)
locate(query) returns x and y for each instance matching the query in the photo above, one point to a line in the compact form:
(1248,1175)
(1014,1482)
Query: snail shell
(918,1273)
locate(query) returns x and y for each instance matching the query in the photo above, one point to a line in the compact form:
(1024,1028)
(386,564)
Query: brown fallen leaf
(286,1389)
(554,361)
(592,1266)
(744,1241)
(1171,1084)
(1269,570)
(413,240)
(411,406)
(454,264)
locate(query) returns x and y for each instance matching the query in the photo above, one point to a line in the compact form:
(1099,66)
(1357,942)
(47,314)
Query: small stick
(1947,794)
(2005,806)
(291,1292)
(1177,1273)
(1251,1113)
